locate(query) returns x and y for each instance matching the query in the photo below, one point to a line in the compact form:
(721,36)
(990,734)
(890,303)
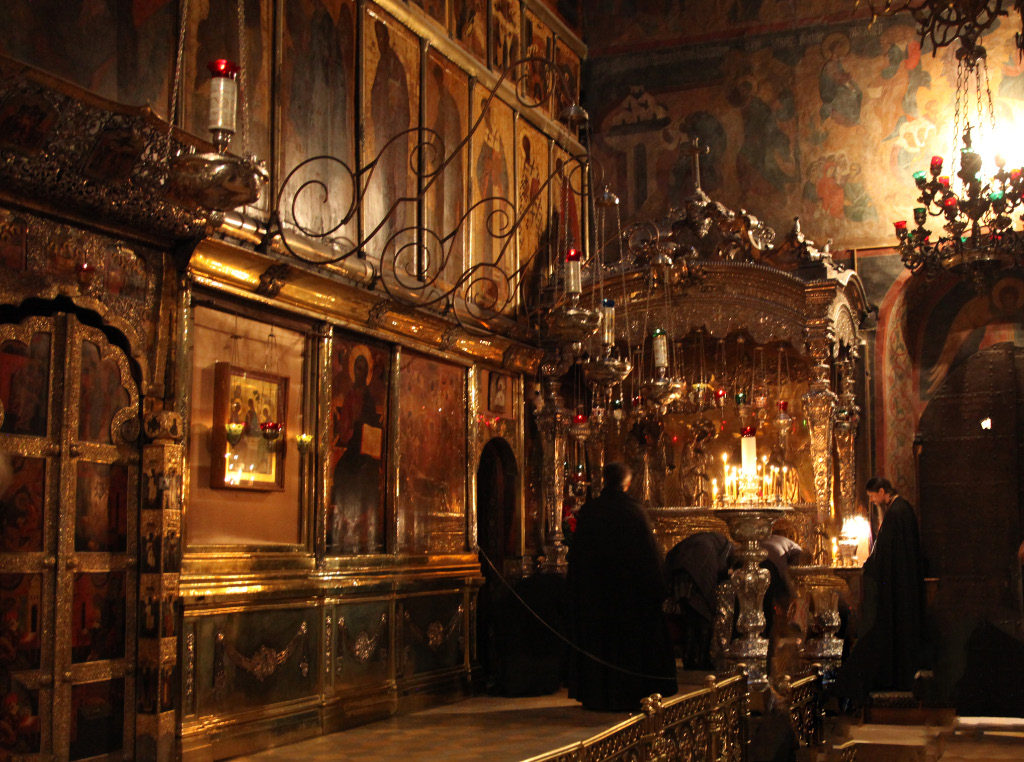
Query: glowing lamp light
(986,424)
(660,348)
(223,100)
(271,430)
(573,269)
(233,432)
(608,321)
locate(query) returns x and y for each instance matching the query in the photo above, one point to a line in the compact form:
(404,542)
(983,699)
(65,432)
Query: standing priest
(621,651)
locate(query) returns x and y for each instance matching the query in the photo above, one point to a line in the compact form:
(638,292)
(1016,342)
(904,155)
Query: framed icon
(249,409)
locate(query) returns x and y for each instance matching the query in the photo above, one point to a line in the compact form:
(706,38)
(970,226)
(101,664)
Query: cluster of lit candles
(753,482)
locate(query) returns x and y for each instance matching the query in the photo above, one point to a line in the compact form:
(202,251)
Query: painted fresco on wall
(212,35)
(101,507)
(505,40)
(566,89)
(565,203)
(493,215)
(21,605)
(101,395)
(431,507)
(537,43)
(122,51)
(436,9)
(533,191)
(444,203)
(318,115)
(616,25)
(390,105)
(469,25)
(827,124)
(360,373)
(969,322)
(22,506)
(25,385)
(98,616)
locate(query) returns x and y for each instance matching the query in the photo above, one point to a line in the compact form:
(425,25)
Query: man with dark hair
(888,652)
(621,647)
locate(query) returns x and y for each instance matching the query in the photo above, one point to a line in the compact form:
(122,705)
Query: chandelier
(978,236)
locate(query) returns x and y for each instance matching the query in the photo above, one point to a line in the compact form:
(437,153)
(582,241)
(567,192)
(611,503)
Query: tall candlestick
(749,450)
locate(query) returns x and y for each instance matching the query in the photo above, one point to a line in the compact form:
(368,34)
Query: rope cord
(559,635)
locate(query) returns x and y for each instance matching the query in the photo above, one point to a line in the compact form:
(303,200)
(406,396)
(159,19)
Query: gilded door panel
(68,502)
(24,380)
(29,501)
(97,547)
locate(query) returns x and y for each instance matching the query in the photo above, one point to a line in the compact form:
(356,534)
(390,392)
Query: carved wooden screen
(68,507)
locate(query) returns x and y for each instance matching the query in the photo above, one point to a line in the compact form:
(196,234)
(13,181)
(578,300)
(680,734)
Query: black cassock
(616,590)
(888,652)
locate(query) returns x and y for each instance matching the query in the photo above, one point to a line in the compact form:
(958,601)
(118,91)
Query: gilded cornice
(342,294)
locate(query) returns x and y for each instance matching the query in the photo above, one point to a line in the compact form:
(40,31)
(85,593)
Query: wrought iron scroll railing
(707,724)
(414,264)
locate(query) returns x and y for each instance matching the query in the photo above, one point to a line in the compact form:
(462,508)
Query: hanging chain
(988,96)
(179,57)
(956,114)
(242,86)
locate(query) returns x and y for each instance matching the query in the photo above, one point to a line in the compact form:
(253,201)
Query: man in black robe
(697,564)
(616,589)
(888,652)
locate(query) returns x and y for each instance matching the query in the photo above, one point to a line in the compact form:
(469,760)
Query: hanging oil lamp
(303,442)
(233,430)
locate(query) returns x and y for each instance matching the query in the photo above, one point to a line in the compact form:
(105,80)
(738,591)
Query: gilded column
(819,407)
(847,418)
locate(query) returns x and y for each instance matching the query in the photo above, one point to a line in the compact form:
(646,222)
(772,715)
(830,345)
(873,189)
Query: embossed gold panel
(68,432)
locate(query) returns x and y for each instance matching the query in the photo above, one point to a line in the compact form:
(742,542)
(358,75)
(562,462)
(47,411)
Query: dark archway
(497,479)
(971,524)
(497,482)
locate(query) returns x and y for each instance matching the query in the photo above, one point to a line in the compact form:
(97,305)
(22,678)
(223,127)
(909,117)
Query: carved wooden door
(68,505)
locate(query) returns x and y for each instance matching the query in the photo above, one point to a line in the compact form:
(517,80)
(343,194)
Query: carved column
(749,527)
(819,407)
(160,549)
(847,418)
(553,422)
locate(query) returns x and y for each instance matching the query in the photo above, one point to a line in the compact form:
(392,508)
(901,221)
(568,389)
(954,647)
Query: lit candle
(573,283)
(660,348)
(223,99)
(749,449)
(714,491)
(608,321)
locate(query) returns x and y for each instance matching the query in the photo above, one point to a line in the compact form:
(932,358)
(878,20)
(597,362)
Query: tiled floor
(514,729)
(479,728)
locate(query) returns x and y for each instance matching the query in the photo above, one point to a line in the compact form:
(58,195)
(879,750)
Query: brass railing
(709,723)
